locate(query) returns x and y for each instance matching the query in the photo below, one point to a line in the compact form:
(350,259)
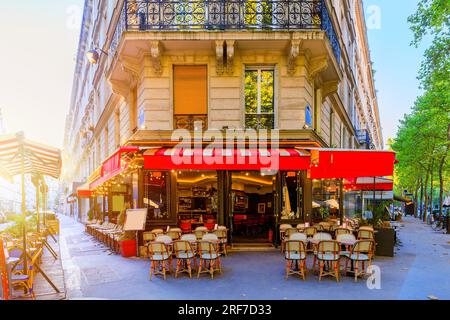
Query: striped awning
(226,159)
(19,155)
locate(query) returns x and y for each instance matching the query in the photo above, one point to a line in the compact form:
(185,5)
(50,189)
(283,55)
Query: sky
(40,39)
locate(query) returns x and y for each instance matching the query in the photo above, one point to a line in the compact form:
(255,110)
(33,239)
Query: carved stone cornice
(121,88)
(294,51)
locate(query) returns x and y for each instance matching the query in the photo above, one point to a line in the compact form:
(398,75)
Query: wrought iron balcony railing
(222,15)
(191,122)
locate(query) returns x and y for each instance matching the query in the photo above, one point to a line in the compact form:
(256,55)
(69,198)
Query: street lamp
(93,55)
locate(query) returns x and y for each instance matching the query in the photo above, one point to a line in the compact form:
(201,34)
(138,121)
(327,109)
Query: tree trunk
(441,181)
(424,216)
(431,187)
(421,198)
(416,201)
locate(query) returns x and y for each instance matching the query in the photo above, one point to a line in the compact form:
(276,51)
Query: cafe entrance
(253,207)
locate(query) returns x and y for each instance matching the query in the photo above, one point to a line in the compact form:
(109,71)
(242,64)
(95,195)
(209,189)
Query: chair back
(157,249)
(345,237)
(174,234)
(284,227)
(207,248)
(182,248)
(364,246)
(298,237)
(189,237)
(339,231)
(200,233)
(326,226)
(322,236)
(222,228)
(365,234)
(290,231)
(310,231)
(329,247)
(366,228)
(201,229)
(301,226)
(164,238)
(175,229)
(148,236)
(294,248)
(210,237)
(157,231)
(221,234)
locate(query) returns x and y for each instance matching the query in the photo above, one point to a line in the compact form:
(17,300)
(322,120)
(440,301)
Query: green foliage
(422,143)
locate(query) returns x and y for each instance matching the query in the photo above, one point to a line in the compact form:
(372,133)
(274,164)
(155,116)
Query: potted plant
(128,239)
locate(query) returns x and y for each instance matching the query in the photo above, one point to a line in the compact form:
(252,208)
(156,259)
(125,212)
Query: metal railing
(222,15)
(191,122)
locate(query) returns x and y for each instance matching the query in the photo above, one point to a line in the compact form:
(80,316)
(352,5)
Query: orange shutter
(190,90)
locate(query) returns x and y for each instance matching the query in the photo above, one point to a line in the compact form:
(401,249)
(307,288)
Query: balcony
(226,15)
(190,122)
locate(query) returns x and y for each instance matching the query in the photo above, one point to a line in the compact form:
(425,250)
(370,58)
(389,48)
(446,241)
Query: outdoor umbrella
(315,205)
(332,203)
(19,156)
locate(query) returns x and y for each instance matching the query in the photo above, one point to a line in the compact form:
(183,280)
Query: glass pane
(267,91)
(251,91)
(259,121)
(155,194)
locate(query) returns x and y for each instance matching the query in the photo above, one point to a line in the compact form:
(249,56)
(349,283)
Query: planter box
(128,248)
(385,239)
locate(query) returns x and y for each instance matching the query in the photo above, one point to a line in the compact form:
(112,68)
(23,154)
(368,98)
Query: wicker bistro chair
(362,253)
(222,235)
(328,254)
(209,258)
(287,234)
(158,231)
(310,231)
(26,280)
(365,234)
(159,255)
(185,254)
(326,226)
(295,255)
(320,236)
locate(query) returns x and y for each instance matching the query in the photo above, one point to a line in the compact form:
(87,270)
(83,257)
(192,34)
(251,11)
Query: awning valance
(113,166)
(84,191)
(226,159)
(341,164)
(369,184)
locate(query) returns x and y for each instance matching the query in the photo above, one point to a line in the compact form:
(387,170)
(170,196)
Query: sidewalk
(420,268)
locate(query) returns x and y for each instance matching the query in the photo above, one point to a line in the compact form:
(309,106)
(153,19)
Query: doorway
(253,207)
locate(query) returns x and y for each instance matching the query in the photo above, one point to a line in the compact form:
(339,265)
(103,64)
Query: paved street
(420,269)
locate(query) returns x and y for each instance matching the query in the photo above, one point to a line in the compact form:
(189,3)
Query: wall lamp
(93,55)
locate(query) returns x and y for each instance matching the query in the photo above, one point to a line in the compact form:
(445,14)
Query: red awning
(226,159)
(336,163)
(368,184)
(113,166)
(84,191)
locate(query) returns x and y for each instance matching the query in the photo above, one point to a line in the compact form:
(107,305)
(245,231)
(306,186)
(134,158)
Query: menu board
(135,220)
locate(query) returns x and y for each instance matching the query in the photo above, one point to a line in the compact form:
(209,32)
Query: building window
(190,97)
(308,117)
(259,98)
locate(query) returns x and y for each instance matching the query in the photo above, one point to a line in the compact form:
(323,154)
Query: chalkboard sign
(135,220)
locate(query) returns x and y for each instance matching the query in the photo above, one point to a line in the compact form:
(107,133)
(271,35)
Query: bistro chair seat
(354,256)
(298,237)
(210,237)
(295,255)
(189,237)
